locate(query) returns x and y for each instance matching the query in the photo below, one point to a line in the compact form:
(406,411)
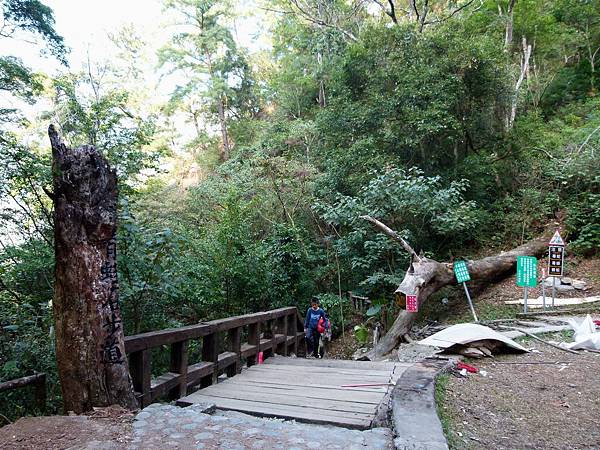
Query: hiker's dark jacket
(312,318)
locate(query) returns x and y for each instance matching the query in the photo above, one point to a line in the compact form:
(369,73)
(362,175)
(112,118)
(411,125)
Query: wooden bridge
(216,362)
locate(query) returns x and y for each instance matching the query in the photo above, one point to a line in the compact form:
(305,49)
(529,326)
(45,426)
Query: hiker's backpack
(323,325)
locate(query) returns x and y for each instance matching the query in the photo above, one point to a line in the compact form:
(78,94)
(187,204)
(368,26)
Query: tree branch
(395,236)
(318,21)
(453,13)
(389,12)
(10,291)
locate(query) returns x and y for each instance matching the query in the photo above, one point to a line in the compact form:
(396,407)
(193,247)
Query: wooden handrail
(286,335)
(38,380)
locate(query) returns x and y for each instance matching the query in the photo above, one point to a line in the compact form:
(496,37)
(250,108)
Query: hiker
(311,324)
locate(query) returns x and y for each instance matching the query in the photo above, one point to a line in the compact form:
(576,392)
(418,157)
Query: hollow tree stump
(90,348)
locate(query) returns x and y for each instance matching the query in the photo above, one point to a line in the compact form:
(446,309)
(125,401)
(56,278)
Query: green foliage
(34,17)
(361,333)
(103,117)
(219,85)
(431,216)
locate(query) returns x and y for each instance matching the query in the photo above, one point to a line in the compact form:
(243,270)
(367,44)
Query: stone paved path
(166,426)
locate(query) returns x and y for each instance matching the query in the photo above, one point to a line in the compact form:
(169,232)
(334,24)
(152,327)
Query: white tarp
(585,335)
(465,333)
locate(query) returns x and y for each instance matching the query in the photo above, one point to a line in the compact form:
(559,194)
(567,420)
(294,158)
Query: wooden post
(269,328)
(179,364)
(90,349)
(40,392)
(235,346)
(210,353)
(140,365)
(291,331)
(253,339)
(282,329)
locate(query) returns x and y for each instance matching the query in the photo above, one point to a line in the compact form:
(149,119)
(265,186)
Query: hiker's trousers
(312,342)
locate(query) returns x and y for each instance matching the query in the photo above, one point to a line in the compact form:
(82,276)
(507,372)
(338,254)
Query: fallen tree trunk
(90,349)
(426,276)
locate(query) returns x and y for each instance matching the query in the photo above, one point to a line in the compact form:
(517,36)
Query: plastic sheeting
(585,335)
(465,333)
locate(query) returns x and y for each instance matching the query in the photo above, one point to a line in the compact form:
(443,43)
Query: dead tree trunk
(426,276)
(523,74)
(90,349)
(224,156)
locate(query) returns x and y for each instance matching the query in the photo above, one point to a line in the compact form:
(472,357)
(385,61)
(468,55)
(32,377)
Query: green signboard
(461,272)
(526,271)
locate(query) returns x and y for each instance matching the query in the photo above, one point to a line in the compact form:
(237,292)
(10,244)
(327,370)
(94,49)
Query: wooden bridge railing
(38,381)
(283,326)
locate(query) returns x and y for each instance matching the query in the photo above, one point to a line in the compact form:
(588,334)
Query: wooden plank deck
(306,390)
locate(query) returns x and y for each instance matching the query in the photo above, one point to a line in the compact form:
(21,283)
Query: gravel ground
(160,427)
(549,400)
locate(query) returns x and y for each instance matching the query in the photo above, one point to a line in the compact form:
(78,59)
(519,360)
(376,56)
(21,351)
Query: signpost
(556,259)
(526,275)
(461,272)
(411,303)
(544,286)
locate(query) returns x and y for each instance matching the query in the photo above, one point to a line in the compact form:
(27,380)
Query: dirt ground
(105,429)
(546,400)
(343,347)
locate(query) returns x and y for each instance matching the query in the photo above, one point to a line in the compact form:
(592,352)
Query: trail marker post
(526,275)
(556,260)
(461,272)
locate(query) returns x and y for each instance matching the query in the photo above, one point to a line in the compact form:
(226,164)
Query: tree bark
(508,34)
(523,74)
(224,135)
(90,348)
(426,276)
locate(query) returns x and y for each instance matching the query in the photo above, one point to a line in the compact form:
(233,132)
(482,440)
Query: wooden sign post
(526,275)
(461,272)
(556,260)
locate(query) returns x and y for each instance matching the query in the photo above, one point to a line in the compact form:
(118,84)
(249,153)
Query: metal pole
(525,301)
(470,302)
(553,289)
(544,287)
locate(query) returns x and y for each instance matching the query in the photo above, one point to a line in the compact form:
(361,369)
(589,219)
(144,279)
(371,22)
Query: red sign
(411,303)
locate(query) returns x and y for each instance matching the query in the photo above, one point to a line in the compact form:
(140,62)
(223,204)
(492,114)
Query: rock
(360,353)
(579,284)
(471,352)
(415,352)
(559,286)
(486,351)
(206,408)
(566,284)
